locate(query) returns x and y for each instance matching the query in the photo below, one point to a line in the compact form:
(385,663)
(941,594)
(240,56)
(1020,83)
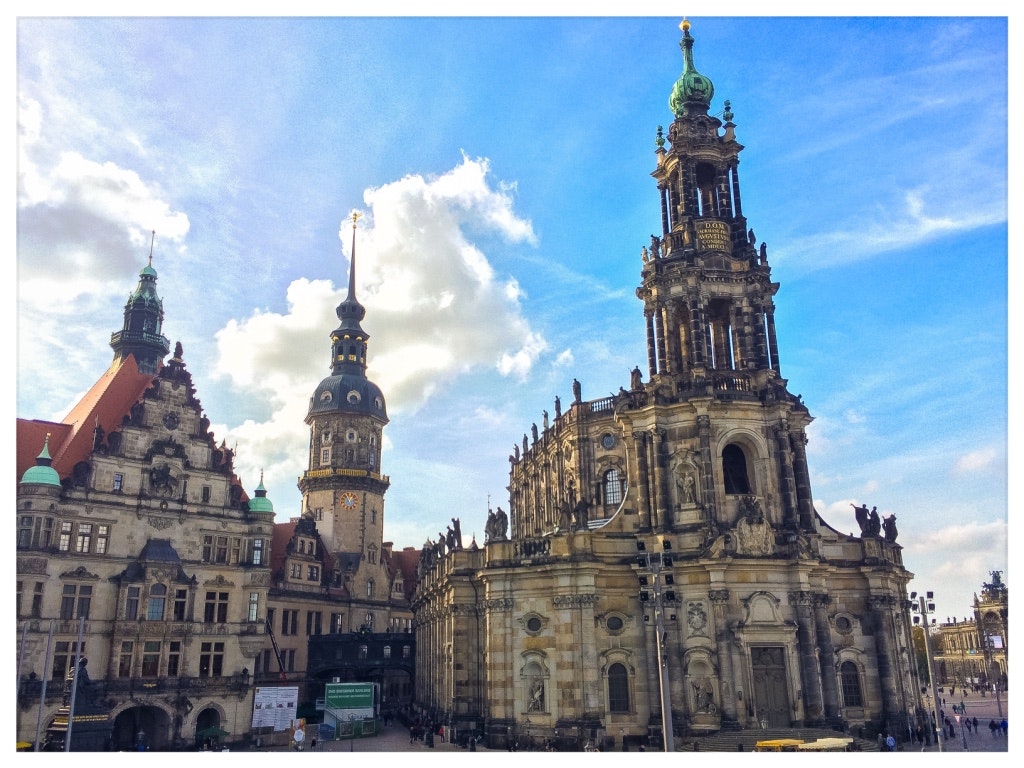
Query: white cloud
(975,461)
(435,310)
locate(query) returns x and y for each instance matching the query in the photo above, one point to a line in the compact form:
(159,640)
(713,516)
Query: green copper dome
(693,91)
(261,504)
(42,473)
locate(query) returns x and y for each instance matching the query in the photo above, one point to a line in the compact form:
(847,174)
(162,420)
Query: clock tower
(343,488)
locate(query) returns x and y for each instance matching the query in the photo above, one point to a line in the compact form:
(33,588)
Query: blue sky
(503,167)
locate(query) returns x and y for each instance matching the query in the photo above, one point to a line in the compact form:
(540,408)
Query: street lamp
(924,606)
(352,739)
(650,575)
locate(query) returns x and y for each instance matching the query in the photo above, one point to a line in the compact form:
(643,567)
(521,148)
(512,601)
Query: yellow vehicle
(834,744)
(778,745)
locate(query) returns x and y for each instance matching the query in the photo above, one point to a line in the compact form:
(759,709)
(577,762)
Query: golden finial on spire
(684,24)
(356,216)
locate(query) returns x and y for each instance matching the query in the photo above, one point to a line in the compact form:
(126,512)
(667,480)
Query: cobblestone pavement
(985,708)
(395,737)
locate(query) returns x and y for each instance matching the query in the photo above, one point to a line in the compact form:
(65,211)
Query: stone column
(659,329)
(826,658)
(659,517)
(805,504)
(882,607)
(773,342)
(723,637)
(708,479)
(810,672)
(643,477)
(652,360)
(787,481)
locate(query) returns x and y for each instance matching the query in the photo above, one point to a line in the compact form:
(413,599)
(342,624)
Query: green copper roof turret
(693,91)
(260,504)
(42,473)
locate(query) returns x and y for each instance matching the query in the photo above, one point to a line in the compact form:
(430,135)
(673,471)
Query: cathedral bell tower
(707,287)
(707,294)
(343,489)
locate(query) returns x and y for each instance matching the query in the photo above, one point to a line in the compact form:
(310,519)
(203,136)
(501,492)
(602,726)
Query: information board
(275,707)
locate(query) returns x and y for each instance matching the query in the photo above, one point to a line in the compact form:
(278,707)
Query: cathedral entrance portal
(771,694)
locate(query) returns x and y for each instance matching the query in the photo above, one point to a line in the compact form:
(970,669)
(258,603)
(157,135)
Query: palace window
(289,622)
(131,604)
(180,604)
(157,599)
(24,532)
(173,658)
(118,482)
(254,605)
(83,540)
(216,609)
(151,658)
(37,601)
(64,652)
(313,622)
(75,601)
(64,539)
(211,659)
(124,663)
(102,538)
(257,552)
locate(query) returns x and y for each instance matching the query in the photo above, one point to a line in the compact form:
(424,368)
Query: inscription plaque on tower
(713,236)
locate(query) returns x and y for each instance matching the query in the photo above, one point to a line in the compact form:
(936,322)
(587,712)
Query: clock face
(348,500)
(171,421)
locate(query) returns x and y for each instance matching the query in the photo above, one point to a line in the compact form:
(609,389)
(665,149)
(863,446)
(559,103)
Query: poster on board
(275,707)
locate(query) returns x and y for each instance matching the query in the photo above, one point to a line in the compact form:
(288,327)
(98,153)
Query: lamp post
(650,575)
(352,740)
(924,606)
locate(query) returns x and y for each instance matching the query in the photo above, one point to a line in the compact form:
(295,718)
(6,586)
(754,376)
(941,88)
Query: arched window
(618,688)
(849,679)
(612,487)
(734,470)
(155,607)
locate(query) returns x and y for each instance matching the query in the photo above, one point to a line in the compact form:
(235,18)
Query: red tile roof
(108,401)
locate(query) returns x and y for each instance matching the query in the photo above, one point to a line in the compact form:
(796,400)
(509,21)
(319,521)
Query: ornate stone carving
(565,601)
(32,565)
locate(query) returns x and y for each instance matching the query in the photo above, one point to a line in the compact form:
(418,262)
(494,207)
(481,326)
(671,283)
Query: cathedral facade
(661,570)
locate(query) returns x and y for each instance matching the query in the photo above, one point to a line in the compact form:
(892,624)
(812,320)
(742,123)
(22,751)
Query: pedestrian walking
(975,722)
(993,726)
(890,743)
(1002,726)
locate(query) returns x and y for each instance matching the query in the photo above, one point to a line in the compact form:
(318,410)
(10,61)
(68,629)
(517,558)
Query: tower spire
(143,320)
(356,216)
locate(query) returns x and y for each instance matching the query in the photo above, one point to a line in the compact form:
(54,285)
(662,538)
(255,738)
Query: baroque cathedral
(661,570)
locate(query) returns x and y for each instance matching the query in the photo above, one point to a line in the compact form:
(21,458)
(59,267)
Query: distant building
(975,651)
(335,582)
(661,570)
